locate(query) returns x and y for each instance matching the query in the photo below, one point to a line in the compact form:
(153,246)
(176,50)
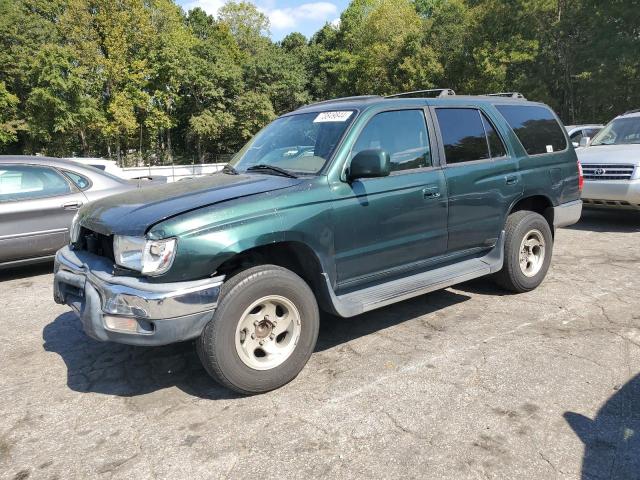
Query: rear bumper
(131,310)
(567,214)
(612,193)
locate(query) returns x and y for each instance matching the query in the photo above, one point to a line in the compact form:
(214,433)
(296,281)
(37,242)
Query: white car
(611,164)
(581,134)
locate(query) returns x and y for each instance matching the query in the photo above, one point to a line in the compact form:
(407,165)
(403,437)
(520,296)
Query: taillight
(580,177)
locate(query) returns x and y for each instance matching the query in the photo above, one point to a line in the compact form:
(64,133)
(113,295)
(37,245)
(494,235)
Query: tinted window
(536,128)
(495,142)
(19,182)
(402,134)
(81,182)
(463,135)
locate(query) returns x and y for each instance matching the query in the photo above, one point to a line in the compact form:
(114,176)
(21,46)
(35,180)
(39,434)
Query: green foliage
(143,81)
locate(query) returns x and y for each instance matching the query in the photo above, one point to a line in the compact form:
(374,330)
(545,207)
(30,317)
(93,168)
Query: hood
(620,154)
(132,213)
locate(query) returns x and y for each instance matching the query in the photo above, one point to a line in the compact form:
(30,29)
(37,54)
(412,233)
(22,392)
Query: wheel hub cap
(532,253)
(268,332)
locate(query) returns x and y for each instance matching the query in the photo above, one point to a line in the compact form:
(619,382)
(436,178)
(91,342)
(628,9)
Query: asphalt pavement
(464,383)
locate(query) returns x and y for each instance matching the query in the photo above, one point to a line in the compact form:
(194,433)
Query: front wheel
(527,252)
(262,332)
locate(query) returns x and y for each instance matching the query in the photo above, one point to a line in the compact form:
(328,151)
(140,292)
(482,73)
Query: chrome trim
(567,214)
(147,301)
(33,234)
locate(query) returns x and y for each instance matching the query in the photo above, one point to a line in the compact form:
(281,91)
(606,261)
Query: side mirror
(370,164)
(584,141)
(575,144)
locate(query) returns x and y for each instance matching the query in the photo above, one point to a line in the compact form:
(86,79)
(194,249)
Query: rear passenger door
(37,204)
(481,174)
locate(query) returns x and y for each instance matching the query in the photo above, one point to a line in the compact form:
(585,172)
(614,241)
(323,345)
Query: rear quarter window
(536,127)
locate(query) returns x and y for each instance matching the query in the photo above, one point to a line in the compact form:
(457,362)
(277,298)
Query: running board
(377,296)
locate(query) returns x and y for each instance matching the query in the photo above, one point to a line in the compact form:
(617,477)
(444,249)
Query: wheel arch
(538,203)
(293,255)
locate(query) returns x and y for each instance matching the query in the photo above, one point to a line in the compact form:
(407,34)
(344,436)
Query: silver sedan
(39,197)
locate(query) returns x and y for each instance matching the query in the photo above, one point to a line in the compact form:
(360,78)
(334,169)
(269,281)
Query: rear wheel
(262,332)
(527,252)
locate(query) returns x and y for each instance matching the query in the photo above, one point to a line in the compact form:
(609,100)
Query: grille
(607,172)
(96,243)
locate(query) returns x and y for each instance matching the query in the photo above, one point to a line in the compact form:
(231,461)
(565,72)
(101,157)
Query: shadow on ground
(608,221)
(127,371)
(17,273)
(612,439)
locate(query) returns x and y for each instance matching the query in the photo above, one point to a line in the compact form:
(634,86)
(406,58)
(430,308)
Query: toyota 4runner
(346,206)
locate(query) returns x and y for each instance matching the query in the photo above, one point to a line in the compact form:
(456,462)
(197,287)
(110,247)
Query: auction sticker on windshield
(333,116)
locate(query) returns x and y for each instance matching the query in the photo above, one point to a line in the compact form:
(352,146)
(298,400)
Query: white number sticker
(549,148)
(332,117)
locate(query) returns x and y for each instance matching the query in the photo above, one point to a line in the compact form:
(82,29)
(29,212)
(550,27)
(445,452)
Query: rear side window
(80,181)
(463,135)
(496,146)
(25,182)
(536,128)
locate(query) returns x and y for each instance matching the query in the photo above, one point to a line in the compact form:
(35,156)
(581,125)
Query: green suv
(345,206)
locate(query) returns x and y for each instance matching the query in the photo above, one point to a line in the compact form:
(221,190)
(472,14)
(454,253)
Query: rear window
(536,128)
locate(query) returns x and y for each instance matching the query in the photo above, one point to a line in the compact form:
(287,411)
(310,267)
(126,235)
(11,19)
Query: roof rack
(517,95)
(635,110)
(343,99)
(432,92)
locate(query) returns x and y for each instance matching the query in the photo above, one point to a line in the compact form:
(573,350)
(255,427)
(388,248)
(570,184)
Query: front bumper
(567,214)
(160,313)
(612,193)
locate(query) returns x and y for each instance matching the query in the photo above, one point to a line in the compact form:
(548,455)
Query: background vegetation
(143,81)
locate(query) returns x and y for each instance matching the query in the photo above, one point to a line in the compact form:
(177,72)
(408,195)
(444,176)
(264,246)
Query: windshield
(620,131)
(299,143)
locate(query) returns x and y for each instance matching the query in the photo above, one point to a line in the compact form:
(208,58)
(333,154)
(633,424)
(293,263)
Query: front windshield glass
(620,131)
(300,143)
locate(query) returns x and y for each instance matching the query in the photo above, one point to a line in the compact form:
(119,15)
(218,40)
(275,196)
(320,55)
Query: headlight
(74,231)
(151,257)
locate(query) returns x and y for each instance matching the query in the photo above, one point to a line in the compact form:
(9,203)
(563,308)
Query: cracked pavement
(464,383)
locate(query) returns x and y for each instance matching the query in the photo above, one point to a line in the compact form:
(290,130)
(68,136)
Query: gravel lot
(463,383)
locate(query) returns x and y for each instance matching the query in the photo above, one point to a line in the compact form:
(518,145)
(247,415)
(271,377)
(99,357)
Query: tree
(247,24)
(9,123)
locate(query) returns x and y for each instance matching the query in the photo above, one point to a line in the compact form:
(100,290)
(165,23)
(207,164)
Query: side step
(370,298)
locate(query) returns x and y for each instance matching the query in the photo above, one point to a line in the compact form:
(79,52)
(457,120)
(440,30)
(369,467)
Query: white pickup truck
(611,164)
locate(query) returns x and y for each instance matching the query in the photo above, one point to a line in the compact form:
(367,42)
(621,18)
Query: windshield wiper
(228,169)
(271,168)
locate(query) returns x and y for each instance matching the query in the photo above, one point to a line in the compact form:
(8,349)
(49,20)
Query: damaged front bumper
(131,310)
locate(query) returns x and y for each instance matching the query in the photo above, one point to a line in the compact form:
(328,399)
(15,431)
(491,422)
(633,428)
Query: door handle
(72,205)
(511,179)
(429,193)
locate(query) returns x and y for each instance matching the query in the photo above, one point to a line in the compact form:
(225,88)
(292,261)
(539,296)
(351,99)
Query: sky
(286,16)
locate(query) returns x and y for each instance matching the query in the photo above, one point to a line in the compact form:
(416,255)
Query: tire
(229,347)
(530,227)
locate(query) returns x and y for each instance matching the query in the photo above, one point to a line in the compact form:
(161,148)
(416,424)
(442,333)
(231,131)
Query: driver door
(388,225)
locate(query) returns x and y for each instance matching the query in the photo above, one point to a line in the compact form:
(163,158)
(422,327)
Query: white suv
(611,164)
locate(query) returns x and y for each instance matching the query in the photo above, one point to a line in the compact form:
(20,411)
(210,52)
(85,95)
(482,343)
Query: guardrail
(173,173)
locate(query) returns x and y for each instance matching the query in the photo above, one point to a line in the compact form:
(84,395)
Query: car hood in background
(132,213)
(622,154)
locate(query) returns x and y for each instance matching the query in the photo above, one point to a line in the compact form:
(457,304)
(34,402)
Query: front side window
(22,182)
(621,131)
(400,133)
(463,135)
(536,127)
(299,143)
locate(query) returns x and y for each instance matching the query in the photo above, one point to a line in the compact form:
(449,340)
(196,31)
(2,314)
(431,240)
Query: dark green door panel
(389,222)
(480,194)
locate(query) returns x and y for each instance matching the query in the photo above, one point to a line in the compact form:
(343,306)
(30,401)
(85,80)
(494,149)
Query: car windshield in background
(622,131)
(299,143)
